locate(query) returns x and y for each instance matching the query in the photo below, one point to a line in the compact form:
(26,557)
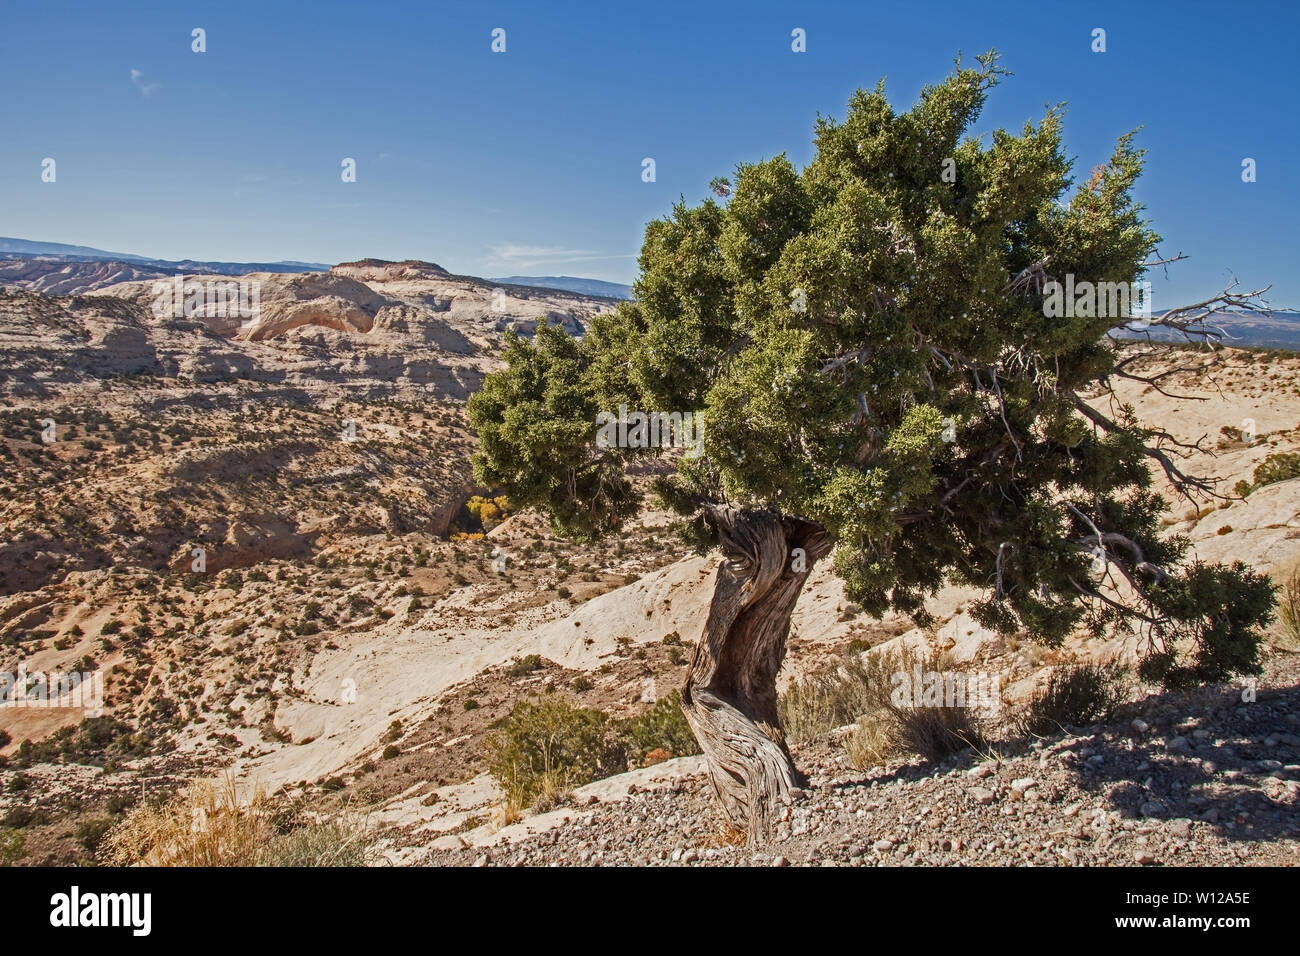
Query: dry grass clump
(1077,695)
(1288,608)
(209,825)
(860,691)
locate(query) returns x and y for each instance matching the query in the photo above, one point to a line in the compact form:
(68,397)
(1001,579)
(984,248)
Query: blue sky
(530,161)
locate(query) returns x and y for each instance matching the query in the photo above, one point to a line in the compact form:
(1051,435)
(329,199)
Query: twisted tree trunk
(730,693)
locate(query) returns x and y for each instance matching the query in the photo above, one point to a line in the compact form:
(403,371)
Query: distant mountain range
(1280,330)
(144,267)
(25,249)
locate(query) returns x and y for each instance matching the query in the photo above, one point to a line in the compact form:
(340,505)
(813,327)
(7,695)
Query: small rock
(482,860)
(1021,784)
(982,795)
(780,861)
(883,846)
(1140,725)
(1179,743)
(1151,808)
(980,771)
(1144,857)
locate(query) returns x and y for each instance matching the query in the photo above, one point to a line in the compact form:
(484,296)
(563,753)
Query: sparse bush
(12,846)
(523,666)
(335,843)
(1277,466)
(550,745)
(818,703)
(936,732)
(391,751)
(1077,695)
(582,683)
(662,727)
(19,817)
(90,833)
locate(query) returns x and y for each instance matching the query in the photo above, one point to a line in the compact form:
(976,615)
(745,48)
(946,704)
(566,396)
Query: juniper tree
(881,385)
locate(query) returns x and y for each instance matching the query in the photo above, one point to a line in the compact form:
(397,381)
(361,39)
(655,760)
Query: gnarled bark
(730,694)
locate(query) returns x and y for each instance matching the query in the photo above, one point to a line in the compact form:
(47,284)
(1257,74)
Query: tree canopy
(867,344)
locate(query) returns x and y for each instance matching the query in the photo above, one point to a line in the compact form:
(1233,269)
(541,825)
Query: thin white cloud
(146,89)
(520,256)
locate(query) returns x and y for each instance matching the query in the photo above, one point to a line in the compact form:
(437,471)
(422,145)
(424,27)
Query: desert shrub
(90,833)
(936,732)
(16,818)
(93,741)
(662,727)
(582,683)
(1077,695)
(551,745)
(523,666)
(391,751)
(820,702)
(860,692)
(211,826)
(12,846)
(334,843)
(1277,466)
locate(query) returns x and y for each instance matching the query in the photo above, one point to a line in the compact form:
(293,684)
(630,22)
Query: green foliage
(867,344)
(523,666)
(93,741)
(550,744)
(1277,466)
(663,726)
(535,422)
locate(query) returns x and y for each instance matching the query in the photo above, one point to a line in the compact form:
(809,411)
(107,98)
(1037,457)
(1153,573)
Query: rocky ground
(1188,780)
